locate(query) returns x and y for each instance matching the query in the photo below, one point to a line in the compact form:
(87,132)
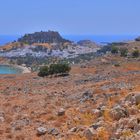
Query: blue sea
(100,39)
(8,38)
(4,69)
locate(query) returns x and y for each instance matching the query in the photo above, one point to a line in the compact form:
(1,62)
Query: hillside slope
(96,101)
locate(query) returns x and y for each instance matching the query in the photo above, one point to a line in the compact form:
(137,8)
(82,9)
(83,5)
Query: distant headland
(43,37)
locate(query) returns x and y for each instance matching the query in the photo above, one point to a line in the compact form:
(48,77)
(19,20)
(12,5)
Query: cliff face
(43,37)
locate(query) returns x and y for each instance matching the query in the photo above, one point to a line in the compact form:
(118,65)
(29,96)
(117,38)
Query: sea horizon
(99,39)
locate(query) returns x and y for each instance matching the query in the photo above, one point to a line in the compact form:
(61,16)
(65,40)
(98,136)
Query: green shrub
(59,68)
(55,69)
(114,50)
(44,71)
(136,53)
(117,65)
(124,52)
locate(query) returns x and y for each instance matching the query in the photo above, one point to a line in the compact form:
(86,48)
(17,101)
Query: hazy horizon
(95,38)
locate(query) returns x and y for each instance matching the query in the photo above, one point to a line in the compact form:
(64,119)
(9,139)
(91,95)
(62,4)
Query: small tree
(114,50)
(65,68)
(124,52)
(59,68)
(54,69)
(44,71)
(136,53)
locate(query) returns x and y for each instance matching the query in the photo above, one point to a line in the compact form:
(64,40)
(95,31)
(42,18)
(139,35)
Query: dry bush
(127,133)
(103,134)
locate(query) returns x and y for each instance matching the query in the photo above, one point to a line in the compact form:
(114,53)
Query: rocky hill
(98,100)
(87,43)
(43,37)
(44,46)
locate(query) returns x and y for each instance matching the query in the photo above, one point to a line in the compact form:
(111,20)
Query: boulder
(2,119)
(136,127)
(74,129)
(90,134)
(132,123)
(2,116)
(97,125)
(61,112)
(130,98)
(134,98)
(41,131)
(118,133)
(53,131)
(87,95)
(138,133)
(137,98)
(118,112)
(96,112)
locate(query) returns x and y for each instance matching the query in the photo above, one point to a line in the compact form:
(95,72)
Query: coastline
(23,69)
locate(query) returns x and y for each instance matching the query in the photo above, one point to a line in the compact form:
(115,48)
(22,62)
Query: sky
(70,17)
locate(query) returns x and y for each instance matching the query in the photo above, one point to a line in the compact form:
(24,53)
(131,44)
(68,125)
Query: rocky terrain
(99,100)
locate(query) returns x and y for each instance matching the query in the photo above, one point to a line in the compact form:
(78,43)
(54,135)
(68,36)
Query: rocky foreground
(99,100)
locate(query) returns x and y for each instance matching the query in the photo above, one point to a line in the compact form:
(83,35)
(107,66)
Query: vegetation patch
(124,52)
(136,53)
(60,69)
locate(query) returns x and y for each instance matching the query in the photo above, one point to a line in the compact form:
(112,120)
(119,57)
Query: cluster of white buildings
(71,51)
